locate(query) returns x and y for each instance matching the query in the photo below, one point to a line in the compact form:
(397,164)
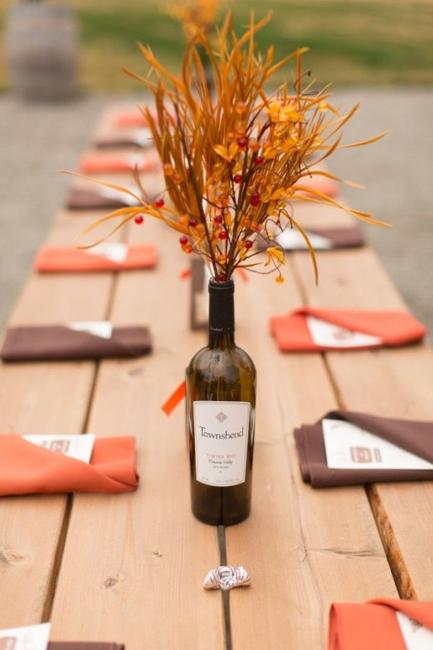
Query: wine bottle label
(221,442)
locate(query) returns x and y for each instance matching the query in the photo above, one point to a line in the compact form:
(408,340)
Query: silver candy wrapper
(227,577)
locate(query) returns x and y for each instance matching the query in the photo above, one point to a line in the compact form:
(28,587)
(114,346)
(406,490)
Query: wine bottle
(220,411)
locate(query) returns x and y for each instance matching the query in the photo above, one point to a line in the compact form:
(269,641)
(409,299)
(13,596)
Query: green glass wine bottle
(220,413)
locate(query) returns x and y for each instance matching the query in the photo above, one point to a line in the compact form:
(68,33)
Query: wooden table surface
(129,568)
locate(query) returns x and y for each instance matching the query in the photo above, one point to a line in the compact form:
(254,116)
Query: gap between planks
(399,570)
(225,595)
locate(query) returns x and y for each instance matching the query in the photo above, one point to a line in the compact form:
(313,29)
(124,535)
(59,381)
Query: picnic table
(129,568)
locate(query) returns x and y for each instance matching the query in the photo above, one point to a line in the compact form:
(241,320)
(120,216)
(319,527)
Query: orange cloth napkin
(129,118)
(393,327)
(26,468)
(323,184)
(373,625)
(57,259)
(101,163)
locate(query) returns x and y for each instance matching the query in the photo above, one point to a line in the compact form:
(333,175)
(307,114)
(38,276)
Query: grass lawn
(351,41)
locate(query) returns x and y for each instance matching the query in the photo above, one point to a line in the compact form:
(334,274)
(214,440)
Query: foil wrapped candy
(226,578)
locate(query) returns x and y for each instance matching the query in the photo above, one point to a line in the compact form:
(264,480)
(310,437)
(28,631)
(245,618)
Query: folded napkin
(108,256)
(341,237)
(132,118)
(61,342)
(364,459)
(26,468)
(322,239)
(129,118)
(310,329)
(327,186)
(97,198)
(101,163)
(140,138)
(381,624)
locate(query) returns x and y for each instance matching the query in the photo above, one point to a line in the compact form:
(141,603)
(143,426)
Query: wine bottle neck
(221,314)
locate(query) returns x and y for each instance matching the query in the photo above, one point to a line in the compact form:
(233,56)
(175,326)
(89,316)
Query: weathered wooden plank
(142,557)
(304,548)
(396,383)
(43,398)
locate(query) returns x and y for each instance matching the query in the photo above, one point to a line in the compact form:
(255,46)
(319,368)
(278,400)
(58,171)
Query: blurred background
(379,52)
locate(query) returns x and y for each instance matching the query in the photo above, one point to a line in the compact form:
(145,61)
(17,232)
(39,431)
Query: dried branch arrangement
(234,155)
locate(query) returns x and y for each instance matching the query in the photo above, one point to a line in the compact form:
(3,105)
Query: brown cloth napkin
(84,645)
(339,237)
(59,343)
(83,199)
(411,435)
(132,140)
(26,468)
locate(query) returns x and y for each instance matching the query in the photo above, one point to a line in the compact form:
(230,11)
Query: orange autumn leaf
(228,153)
(275,254)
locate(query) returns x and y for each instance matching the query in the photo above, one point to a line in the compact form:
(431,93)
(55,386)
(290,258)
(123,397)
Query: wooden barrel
(41,50)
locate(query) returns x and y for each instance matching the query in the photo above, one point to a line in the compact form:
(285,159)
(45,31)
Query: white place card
(415,635)
(111,193)
(78,446)
(291,239)
(101,328)
(135,159)
(142,136)
(113,251)
(350,447)
(327,335)
(33,637)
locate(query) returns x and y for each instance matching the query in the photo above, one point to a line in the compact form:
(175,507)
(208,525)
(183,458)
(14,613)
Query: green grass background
(352,41)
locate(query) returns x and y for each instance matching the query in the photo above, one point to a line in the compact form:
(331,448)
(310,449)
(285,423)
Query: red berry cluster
(185,243)
(255,199)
